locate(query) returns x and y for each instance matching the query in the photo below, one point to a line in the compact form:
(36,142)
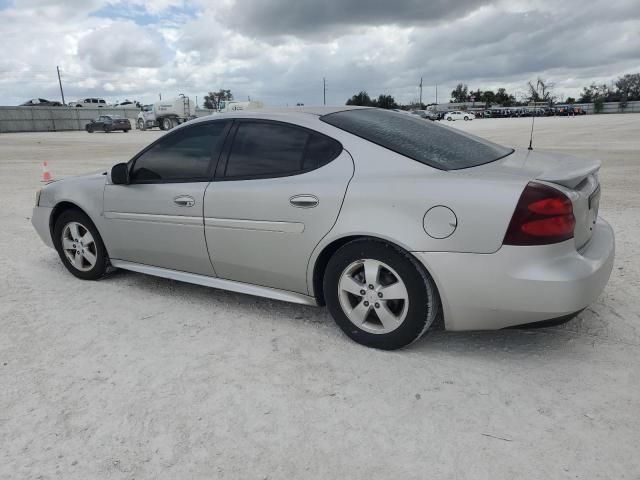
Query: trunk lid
(576,177)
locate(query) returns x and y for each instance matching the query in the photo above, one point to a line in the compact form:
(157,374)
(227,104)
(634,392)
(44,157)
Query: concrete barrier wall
(610,107)
(58,119)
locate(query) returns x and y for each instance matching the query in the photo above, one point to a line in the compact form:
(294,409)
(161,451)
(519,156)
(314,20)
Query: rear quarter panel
(390,194)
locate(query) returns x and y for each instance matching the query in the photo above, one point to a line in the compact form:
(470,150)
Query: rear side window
(269,149)
(427,142)
(181,156)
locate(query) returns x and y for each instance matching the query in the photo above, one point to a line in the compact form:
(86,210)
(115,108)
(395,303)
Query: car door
(157,218)
(99,123)
(278,190)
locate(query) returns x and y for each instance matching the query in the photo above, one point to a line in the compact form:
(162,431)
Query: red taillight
(543,215)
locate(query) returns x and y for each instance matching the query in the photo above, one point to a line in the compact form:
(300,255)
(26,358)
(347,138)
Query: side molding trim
(154,218)
(220,283)
(260,225)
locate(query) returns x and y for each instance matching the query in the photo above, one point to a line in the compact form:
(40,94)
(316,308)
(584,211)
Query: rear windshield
(422,140)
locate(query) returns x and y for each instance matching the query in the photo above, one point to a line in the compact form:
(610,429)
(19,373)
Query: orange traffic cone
(46,175)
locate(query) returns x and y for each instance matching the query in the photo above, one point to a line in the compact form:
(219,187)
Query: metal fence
(58,119)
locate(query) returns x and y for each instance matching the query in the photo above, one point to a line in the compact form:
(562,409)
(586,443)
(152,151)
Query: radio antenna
(533,120)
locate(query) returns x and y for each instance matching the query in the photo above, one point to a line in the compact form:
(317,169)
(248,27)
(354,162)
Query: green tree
(629,86)
(212,99)
(503,98)
(571,100)
(385,101)
(460,93)
(361,99)
(488,97)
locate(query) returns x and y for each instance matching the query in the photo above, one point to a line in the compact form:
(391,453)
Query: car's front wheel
(140,124)
(449,119)
(379,295)
(80,246)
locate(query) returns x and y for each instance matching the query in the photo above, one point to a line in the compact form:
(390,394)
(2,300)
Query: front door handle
(184,201)
(304,201)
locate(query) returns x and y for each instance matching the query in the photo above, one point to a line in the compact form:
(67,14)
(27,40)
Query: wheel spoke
(395,291)
(89,257)
(67,244)
(371,271)
(349,284)
(359,313)
(73,230)
(77,260)
(386,316)
(87,238)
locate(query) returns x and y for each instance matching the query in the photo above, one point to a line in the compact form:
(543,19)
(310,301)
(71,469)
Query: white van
(91,103)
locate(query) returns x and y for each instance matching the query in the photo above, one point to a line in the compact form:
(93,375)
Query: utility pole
(420,92)
(436,93)
(60,82)
(160,95)
(324,90)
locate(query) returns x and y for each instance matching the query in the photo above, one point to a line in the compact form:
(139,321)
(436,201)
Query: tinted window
(183,155)
(429,143)
(320,151)
(272,149)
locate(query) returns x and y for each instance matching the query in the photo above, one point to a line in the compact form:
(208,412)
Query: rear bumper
(40,221)
(519,285)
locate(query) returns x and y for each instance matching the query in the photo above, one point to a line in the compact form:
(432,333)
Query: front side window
(266,149)
(184,155)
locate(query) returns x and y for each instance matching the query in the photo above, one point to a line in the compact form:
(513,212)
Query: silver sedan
(391,221)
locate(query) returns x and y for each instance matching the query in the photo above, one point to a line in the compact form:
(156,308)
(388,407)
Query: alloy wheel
(79,246)
(373,296)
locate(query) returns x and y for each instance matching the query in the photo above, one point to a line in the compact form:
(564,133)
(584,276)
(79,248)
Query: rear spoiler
(571,172)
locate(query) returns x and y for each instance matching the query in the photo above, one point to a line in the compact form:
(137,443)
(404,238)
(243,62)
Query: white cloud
(279,50)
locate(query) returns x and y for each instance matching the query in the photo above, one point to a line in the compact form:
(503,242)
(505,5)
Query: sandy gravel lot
(136,377)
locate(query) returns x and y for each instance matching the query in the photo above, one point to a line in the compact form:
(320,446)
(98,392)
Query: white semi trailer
(167,114)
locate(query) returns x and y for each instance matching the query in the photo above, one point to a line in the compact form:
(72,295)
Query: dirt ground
(136,377)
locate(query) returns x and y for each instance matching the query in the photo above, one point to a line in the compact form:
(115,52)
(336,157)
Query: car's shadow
(508,342)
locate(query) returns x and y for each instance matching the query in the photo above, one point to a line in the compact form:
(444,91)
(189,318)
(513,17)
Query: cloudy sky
(278,51)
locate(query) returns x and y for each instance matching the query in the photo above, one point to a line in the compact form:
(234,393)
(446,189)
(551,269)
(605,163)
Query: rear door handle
(304,201)
(184,201)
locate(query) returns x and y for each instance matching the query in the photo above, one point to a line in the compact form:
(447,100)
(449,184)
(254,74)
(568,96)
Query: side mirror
(120,174)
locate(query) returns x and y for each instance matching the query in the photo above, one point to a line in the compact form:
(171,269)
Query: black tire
(167,123)
(125,130)
(466,118)
(424,302)
(89,129)
(102,259)
(141,124)
(449,119)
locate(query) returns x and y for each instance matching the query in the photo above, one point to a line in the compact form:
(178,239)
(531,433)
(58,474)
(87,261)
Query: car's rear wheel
(80,246)
(466,118)
(449,119)
(379,295)
(167,123)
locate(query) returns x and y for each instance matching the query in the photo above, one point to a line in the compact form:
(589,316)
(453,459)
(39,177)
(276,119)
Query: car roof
(283,114)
